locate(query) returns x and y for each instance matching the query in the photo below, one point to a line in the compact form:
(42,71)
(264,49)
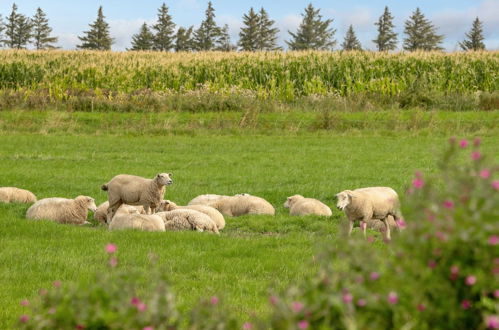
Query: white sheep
(62,210)
(243,204)
(145,222)
(16,195)
(210,198)
(101,213)
(299,205)
(365,204)
(379,225)
(183,219)
(135,190)
(213,213)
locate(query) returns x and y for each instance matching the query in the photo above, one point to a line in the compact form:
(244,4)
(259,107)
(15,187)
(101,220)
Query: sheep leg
(111,210)
(350,227)
(146,209)
(363,225)
(387,226)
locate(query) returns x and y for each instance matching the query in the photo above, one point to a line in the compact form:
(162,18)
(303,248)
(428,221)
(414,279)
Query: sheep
(299,205)
(135,190)
(210,198)
(62,210)
(16,195)
(145,222)
(379,225)
(243,204)
(213,213)
(365,204)
(101,213)
(184,219)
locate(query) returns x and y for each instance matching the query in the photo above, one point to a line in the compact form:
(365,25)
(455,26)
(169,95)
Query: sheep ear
(349,193)
(170,174)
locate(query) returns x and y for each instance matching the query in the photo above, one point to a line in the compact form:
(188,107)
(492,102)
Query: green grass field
(253,253)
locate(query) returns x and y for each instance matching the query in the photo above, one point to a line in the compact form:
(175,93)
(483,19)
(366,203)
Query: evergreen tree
(250,33)
(351,42)
(144,40)
(184,41)
(475,37)
(42,31)
(18,30)
(224,40)
(208,34)
(267,39)
(164,36)
(421,34)
(97,37)
(313,32)
(387,38)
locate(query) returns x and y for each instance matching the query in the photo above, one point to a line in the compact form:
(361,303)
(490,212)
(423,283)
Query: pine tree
(475,37)
(351,42)
(144,40)
(387,38)
(421,34)
(164,36)
(313,32)
(224,40)
(208,34)
(18,30)
(184,41)
(267,39)
(97,37)
(42,31)
(250,33)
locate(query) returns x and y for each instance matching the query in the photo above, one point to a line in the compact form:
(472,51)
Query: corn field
(279,76)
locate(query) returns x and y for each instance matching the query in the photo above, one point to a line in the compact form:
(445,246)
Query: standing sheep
(210,198)
(243,204)
(213,213)
(151,222)
(101,213)
(16,195)
(135,190)
(365,204)
(62,210)
(183,219)
(299,205)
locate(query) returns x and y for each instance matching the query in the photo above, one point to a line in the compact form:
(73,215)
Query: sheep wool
(235,206)
(62,210)
(184,219)
(213,213)
(299,205)
(145,222)
(101,213)
(16,195)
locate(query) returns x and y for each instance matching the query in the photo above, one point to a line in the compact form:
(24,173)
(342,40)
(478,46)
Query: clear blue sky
(452,17)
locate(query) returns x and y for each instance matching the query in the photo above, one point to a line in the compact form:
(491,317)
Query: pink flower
(465,304)
(56,284)
(24,302)
(135,301)
(477,142)
(401,223)
(214,300)
(24,318)
(495,184)
(111,248)
(371,239)
(470,280)
(496,294)
(361,302)
(347,298)
(42,292)
(464,143)
(485,173)
(432,264)
(441,236)
(475,155)
(418,183)
(448,204)
(52,311)
(454,269)
(421,307)
(492,322)
(303,324)
(493,240)
(113,261)
(273,300)
(296,306)
(80,326)
(141,307)
(393,297)
(148,328)
(374,276)
(247,326)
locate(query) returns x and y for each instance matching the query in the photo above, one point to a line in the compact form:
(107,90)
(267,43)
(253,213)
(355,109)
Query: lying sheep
(135,190)
(210,198)
(379,225)
(243,204)
(183,219)
(62,210)
(16,195)
(299,205)
(213,213)
(151,222)
(369,203)
(101,213)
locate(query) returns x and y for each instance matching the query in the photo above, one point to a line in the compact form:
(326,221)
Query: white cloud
(234,24)
(68,41)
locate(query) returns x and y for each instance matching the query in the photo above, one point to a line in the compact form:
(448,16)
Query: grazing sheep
(101,213)
(62,210)
(213,213)
(243,204)
(379,225)
(365,204)
(210,198)
(299,205)
(145,222)
(16,195)
(183,219)
(135,190)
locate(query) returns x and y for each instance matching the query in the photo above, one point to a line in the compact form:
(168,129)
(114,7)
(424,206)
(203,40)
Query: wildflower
(361,302)
(296,306)
(111,248)
(441,236)
(56,284)
(141,307)
(421,307)
(465,304)
(448,204)
(135,301)
(273,300)
(495,184)
(24,302)
(247,326)
(393,297)
(371,239)
(113,261)
(401,223)
(347,298)
(454,269)
(470,280)
(485,173)
(214,300)
(464,143)
(52,311)
(492,322)
(432,264)
(418,183)
(24,318)
(80,326)
(148,328)
(475,155)
(496,294)
(493,240)
(303,324)
(477,142)
(374,276)
(42,292)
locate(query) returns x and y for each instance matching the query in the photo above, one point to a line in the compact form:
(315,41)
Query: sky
(453,18)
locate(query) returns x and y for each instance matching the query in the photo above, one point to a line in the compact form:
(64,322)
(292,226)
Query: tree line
(258,33)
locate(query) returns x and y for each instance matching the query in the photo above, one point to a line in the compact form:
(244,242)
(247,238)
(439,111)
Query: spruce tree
(313,32)
(184,41)
(17,30)
(351,42)
(387,38)
(208,34)
(144,40)
(42,31)
(250,33)
(97,37)
(165,30)
(475,37)
(267,39)
(421,34)
(223,43)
